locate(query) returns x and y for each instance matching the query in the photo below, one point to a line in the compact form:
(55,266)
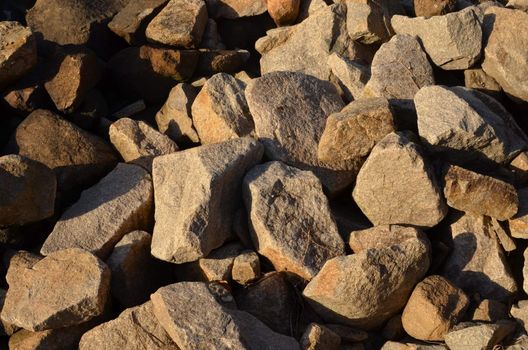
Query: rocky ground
(251,174)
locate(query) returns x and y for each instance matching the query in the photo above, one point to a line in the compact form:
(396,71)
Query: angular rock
(64,289)
(467,125)
(435,306)
(347,333)
(519,223)
(211,62)
(283,12)
(25,98)
(17,261)
(369,21)
(479,336)
(506,35)
(195,316)
(120,203)
(318,337)
(520,313)
(290,111)
(489,310)
(350,135)
(18,52)
(5,327)
(452,41)
(217,266)
(181,23)
(519,167)
(381,236)
(51,339)
(392,345)
(351,76)
(195,206)
(477,263)
(231,9)
(246,268)
(399,69)
(220,111)
(138,142)
(393,329)
(479,80)
(290,219)
(396,185)
(136,328)
(478,194)
(27,191)
(429,8)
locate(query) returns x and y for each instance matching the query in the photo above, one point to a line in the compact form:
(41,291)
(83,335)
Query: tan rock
(477,79)
(283,12)
(351,76)
(429,8)
(246,268)
(5,327)
(211,62)
(392,345)
(18,52)
(369,21)
(318,337)
(520,313)
(479,335)
(519,166)
(218,265)
(67,288)
(18,261)
(519,223)
(489,310)
(25,98)
(381,236)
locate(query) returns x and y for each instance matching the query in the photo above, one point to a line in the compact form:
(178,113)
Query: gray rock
(18,52)
(195,206)
(232,9)
(452,41)
(479,336)
(397,185)
(290,219)
(120,203)
(351,76)
(217,266)
(318,337)
(5,327)
(381,236)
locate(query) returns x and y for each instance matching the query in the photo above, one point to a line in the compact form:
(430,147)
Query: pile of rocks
(251,174)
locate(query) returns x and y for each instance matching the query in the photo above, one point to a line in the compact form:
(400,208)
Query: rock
(135,328)
(284,12)
(467,125)
(181,23)
(5,327)
(51,339)
(190,223)
(27,191)
(220,111)
(195,316)
(489,310)
(366,289)
(350,135)
(369,21)
(217,266)
(309,7)
(429,8)
(290,219)
(519,167)
(452,41)
(212,62)
(348,334)
(507,243)
(318,337)
(519,223)
(479,80)
(78,158)
(246,268)
(18,52)
(138,142)
(25,98)
(393,329)
(131,22)
(399,69)
(351,76)
(120,203)
(396,185)
(67,288)
(505,32)
(435,306)
(477,263)
(290,110)
(18,261)
(520,313)
(381,236)
(478,194)
(211,38)
(392,345)
(231,9)
(479,336)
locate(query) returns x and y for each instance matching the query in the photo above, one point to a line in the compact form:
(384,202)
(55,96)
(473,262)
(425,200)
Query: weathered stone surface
(399,69)
(489,310)
(479,336)
(318,337)
(27,191)
(26,97)
(351,76)
(479,194)
(367,288)
(435,306)
(519,223)
(392,345)
(452,41)
(246,268)
(120,203)
(51,339)
(396,185)
(217,266)
(5,327)
(467,125)
(520,313)
(211,62)
(350,134)
(479,80)
(136,328)
(429,8)
(369,21)
(18,52)
(138,142)
(506,31)
(477,263)
(519,167)
(196,316)
(76,157)
(220,111)
(381,236)
(64,289)
(181,23)
(290,111)
(195,205)
(232,9)
(290,219)
(283,12)
(17,261)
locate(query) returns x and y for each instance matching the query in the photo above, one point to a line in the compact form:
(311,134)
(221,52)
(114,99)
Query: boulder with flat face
(18,52)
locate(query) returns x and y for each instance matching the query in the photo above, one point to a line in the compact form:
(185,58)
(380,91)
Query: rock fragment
(479,336)
(211,62)
(246,268)
(369,21)
(218,265)
(429,8)
(478,79)
(283,12)
(18,52)
(351,76)
(519,223)
(318,337)
(489,310)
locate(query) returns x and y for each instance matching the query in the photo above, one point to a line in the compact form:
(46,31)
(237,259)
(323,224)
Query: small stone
(396,185)
(479,335)
(435,306)
(478,194)
(120,203)
(452,41)
(18,52)
(429,8)
(194,314)
(231,9)
(220,111)
(520,313)
(393,329)
(318,337)
(283,12)
(181,23)
(399,69)
(368,21)
(519,223)
(246,268)
(138,142)
(26,97)
(479,80)
(195,205)
(489,310)
(290,219)
(381,236)
(217,266)
(67,288)
(211,62)
(351,76)
(27,191)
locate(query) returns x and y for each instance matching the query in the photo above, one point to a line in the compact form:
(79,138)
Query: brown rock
(246,268)
(18,52)
(519,223)
(17,261)
(479,335)
(520,313)
(211,62)
(489,310)
(429,8)
(5,327)
(369,21)
(318,337)
(478,79)
(283,12)
(218,265)
(232,9)
(26,97)
(519,167)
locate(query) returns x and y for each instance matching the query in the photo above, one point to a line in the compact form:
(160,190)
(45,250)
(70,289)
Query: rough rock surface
(519,223)
(195,205)
(369,21)
(18,52)
(290,219)
(381,236)
(351,76)
(489,310)
(120,203)
(283,12)
(217,266)
(520,313)
(479,336)
(478,79)
(318,337)
(246,268)
(429,8)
